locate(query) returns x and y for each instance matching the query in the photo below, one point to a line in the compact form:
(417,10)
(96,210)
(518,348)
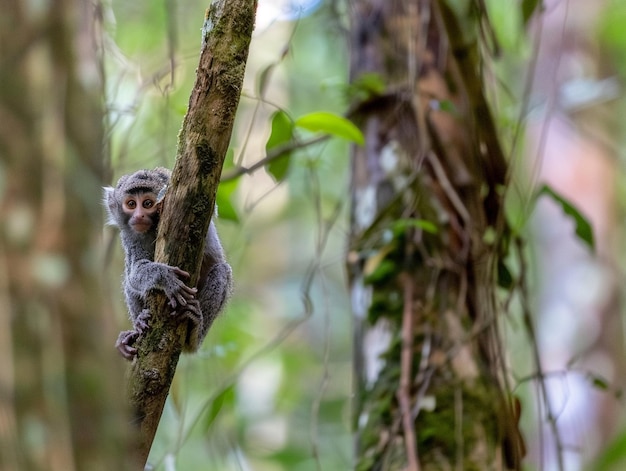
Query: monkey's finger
(175,298)
(141,325)
(194,308)
(178,300)
(189,293)
(183,295)
(191,312)
(127,352)
(188,299)
(182,287)
(123,344)
(141,322)
(181,273)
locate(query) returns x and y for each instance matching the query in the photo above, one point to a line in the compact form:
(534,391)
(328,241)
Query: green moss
(387,304)
(437,430)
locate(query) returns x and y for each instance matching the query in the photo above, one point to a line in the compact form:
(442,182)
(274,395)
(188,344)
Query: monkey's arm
(145,275)
(142,276)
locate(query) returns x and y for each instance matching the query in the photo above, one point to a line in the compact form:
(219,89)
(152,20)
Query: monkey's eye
(148,204)
(131,204)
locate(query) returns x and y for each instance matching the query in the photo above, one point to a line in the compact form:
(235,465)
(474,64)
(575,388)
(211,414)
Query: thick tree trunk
(427,233)
(61,407)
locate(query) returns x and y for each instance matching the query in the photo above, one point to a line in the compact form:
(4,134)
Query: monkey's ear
(111,205)
(161,194)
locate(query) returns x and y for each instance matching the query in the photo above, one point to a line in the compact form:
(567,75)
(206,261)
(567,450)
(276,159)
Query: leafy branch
(283,141)
(283,150)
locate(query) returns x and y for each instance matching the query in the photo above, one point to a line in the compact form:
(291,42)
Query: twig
(458,428)
(406,361)
(276,153)
(541,375)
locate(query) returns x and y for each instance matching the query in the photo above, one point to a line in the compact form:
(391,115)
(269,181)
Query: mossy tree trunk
(190,199)
(427,235)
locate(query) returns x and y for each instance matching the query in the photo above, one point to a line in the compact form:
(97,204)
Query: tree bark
(427,238)
(190,199)
(61,407)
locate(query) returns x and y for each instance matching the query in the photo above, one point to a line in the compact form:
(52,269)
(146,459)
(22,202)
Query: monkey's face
(142,210)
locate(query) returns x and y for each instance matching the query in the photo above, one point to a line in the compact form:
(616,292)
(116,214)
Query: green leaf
(584,230)
(227,395)
(528,9)
(229,159)
(263,78)
(330,123)
(613,455)
(401,225)
(598,381)
(279,167)
(505,278)
(223,200)
(383,271)
(366,86)
(444,105)
(282,132)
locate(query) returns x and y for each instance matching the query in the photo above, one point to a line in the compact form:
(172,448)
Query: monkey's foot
(192,313)
(141,322)
(124,343)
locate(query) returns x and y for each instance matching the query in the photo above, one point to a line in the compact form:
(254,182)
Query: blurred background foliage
(271,387)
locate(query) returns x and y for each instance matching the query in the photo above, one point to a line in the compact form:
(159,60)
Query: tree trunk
(61,405)
(203,142)
(427,235)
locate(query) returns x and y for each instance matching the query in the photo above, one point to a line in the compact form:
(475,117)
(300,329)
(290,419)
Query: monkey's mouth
(141,226)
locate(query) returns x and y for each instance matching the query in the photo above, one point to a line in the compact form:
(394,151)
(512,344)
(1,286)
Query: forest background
(271,389)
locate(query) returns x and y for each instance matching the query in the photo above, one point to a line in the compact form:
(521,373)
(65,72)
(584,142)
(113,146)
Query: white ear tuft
(108,198)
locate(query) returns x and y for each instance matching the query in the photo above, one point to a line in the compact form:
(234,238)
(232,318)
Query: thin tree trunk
(427,234)
(202,146)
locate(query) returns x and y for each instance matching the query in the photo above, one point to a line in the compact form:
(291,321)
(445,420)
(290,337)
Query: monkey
(134,206)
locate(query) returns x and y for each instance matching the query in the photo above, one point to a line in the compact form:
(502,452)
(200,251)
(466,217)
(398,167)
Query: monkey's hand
(177,292)
(145,275)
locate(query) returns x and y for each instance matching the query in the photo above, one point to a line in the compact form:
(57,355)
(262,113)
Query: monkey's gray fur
(199,305)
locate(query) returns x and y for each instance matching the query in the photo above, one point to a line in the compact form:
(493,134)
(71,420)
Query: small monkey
(134,206)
